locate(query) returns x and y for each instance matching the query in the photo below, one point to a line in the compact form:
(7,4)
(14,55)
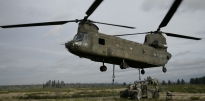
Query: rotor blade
(114,25)
(129,34)
(92,8)
(170,13)
(39,24)
(181,36)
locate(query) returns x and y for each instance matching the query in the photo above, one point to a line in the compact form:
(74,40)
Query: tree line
(60,84)
(54,83)
(200,80)
(178,82)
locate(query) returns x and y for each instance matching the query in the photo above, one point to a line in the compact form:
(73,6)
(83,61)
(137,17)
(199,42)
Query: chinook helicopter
(91,44)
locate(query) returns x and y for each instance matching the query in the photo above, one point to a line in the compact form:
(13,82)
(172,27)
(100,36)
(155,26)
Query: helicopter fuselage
(89,43)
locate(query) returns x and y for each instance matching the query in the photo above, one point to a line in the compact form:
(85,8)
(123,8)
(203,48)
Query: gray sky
(34,55)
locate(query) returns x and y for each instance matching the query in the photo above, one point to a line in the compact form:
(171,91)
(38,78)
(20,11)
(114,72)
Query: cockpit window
(79,37)
(87,37)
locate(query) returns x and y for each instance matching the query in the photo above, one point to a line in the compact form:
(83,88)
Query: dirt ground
(178,95)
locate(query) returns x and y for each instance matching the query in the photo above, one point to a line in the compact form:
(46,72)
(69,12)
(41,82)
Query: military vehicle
(91,44)
(142,89)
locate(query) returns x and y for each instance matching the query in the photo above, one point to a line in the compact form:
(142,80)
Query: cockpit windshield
(84,37)
(79,37)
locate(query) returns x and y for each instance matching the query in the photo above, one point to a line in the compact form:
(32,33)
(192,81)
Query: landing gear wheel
(123,66)
(142,71)
(164,69)
(103,68)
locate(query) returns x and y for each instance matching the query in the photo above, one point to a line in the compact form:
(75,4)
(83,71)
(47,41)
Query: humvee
(141,89)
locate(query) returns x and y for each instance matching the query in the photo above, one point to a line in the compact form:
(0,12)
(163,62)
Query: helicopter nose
(68,45)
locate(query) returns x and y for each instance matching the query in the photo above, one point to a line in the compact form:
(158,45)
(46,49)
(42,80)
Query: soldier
(169,95)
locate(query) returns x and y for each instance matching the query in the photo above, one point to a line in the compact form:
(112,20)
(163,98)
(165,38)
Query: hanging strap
(139,74)
(113,77)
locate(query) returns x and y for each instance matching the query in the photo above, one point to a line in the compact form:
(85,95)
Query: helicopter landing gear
(139,74)
(123,65)
(113,77)
(142,71)
(103,68)
(164,69)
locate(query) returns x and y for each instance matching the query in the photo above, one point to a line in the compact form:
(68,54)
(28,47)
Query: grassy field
(184,88)
(181,92)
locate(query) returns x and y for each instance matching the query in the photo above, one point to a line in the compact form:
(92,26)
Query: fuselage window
(101,41)
(86,38)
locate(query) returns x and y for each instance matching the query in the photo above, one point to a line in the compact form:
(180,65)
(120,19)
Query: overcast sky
(34,55)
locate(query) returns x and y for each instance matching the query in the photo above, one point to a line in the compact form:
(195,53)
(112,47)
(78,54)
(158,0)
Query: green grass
(194,98)
(54,89)
(61,93)
(4,92)
(184,88)
(58,94)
